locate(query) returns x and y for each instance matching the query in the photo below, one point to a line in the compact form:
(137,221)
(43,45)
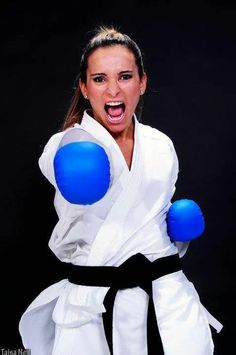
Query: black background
(190,54)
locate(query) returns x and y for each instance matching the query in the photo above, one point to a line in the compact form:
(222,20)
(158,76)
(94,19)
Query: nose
(113,88)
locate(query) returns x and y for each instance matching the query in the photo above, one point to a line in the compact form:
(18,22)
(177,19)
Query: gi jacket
(129,219)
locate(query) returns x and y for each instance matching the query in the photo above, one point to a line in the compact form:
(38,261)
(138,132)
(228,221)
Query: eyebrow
(120,73)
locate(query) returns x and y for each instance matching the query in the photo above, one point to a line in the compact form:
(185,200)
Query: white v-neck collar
(99,132)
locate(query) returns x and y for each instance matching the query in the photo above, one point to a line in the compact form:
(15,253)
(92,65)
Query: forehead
(113,57)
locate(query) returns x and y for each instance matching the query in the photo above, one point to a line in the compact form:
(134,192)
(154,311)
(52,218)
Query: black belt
(137,271)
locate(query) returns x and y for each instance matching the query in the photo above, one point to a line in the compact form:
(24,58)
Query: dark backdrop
(189,53)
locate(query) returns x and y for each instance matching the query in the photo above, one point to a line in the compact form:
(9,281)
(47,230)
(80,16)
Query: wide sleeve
(174,170)
(73,134)
(182,246)
(46,165)
(71,224)
(47,157)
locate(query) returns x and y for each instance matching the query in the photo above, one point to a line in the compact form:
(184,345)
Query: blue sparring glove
(82,172)
(185,221)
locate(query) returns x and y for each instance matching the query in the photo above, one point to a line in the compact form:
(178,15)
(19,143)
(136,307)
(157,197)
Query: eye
(99,79)
(125,76)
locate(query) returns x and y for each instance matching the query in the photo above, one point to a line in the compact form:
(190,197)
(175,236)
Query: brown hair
(104,37)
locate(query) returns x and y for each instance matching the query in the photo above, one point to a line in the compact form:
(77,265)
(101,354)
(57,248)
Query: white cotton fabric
(66,319)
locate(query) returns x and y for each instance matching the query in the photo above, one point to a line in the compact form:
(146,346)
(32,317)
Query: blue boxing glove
(185,221)
(82,172)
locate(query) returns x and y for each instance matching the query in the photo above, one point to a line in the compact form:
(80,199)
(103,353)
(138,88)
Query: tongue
(115,111)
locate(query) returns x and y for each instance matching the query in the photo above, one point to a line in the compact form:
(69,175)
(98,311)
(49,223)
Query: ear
(83,88)
(143,84)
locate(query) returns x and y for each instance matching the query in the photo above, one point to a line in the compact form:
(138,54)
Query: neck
(128,134)
(120,137)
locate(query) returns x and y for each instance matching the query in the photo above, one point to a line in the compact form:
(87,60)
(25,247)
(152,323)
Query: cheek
(134,94)
(133,89)
(95,96)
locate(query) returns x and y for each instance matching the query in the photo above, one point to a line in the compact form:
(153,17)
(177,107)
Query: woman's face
(113,87)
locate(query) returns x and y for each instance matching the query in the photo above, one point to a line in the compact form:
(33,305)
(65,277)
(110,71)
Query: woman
(128,225)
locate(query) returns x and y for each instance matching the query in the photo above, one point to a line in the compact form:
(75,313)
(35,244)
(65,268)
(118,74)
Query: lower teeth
(116,118)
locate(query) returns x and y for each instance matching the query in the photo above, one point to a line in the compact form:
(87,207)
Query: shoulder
(55,140)
(155,135)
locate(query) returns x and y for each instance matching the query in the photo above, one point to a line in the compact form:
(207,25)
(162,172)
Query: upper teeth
(114,103)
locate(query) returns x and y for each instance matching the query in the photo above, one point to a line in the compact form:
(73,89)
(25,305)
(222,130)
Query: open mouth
(115,111)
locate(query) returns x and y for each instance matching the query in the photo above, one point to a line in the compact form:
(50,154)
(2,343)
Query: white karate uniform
(66,319)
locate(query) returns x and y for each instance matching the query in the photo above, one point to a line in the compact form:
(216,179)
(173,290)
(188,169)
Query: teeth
(114,103)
